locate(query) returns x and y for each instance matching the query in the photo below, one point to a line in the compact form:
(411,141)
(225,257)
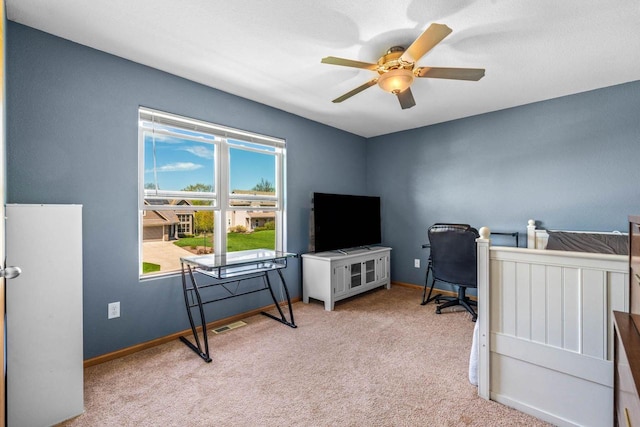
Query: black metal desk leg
(196,348)
(286,291)
(282,318)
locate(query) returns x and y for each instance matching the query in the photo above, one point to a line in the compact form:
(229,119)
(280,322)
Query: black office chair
(453,261)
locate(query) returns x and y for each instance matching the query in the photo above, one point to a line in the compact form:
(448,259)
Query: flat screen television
(343,221)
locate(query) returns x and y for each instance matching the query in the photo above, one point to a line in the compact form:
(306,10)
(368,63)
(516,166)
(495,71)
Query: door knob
(10,272)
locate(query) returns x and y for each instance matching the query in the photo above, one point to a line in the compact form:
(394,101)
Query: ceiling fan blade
(427,40)
(406,99)
(356,90)
(349,63)
(474,74)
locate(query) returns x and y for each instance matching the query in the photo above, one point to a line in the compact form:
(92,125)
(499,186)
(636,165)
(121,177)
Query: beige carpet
(379,359)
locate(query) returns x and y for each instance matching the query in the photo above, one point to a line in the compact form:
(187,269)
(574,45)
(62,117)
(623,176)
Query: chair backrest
(453,253)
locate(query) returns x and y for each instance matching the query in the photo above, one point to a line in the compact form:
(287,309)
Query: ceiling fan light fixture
(397,68)
(396,80)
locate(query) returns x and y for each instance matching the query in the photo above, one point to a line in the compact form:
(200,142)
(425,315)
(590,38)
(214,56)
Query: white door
(2,202)
(44,314)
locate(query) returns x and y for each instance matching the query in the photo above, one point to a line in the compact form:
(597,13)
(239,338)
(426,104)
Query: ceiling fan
(397,68)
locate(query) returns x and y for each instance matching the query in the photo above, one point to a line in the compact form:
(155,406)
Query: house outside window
(196,178)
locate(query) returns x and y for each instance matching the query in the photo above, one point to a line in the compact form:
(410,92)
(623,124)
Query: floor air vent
(229,327)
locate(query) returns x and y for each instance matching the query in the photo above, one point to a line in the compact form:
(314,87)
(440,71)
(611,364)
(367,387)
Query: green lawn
(149,267)
(195,241)
(257,240)
(235,241)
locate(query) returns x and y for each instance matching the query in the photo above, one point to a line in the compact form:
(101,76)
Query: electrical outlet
(114,310)
(416,263)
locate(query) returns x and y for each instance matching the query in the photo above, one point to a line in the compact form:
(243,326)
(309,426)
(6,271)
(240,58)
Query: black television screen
(342,221)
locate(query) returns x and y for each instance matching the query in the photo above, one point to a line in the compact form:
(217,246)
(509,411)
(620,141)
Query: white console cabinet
(332,276)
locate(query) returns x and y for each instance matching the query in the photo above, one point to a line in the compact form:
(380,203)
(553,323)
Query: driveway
(166,254)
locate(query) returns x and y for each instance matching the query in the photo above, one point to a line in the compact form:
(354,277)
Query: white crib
(545,329)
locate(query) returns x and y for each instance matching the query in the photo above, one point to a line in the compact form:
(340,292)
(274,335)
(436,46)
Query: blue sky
(183,162)
(248,168)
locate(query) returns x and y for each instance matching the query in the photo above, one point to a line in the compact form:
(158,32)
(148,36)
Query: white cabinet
(332,276)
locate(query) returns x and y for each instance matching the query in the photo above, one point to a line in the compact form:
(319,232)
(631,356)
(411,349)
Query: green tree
(203,221)
(264,185)
(202,188)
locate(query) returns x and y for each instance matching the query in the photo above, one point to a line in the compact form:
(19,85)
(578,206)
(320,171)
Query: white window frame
(224,138)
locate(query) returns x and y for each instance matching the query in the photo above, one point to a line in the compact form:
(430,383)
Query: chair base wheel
(438,311)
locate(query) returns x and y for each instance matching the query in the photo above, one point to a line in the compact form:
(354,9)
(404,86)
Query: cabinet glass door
(356,274)
(370,271)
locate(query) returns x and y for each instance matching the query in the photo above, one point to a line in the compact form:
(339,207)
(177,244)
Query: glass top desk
(221,277)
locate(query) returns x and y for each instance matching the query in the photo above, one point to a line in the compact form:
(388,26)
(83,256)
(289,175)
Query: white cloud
(179,167)
(203,152)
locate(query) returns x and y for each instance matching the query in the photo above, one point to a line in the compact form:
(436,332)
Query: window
(186,224)
(196,178)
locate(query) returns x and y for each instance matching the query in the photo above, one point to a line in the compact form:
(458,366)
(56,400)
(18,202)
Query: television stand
(331,276)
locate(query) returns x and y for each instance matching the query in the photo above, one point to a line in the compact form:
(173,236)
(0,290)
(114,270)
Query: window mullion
(222,169)
(281,237)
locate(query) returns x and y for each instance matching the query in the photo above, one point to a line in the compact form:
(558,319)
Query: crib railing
(545,329)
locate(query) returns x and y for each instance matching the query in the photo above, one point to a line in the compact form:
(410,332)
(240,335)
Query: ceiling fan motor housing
(392,60)
(396,75)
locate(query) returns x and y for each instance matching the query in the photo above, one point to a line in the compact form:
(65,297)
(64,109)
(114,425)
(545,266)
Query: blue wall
(72,138)
(570,163)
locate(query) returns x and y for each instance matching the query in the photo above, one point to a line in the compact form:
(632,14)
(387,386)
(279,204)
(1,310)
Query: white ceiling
(269,51)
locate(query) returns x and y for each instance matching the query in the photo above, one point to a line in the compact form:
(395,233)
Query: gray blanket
(588,242)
